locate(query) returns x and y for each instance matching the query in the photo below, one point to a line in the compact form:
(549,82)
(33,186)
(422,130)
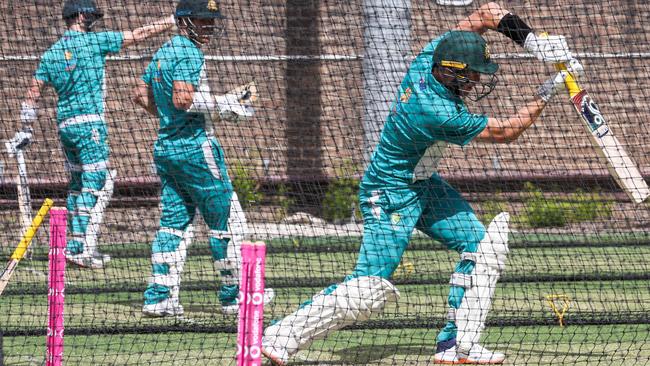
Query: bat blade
(620,164)
(7,273)
(24,198)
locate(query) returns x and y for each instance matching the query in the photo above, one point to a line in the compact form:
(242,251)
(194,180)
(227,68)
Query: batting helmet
(198,9)
(72,8)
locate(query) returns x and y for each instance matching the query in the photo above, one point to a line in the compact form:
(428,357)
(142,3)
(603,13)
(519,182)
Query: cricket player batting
(74,67)
(401,190)
(190,161)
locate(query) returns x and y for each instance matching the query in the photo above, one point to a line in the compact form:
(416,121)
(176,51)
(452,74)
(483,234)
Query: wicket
(56,287)
(251,304)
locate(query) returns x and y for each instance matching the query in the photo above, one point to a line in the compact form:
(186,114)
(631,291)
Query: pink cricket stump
(56,287)
(251,304)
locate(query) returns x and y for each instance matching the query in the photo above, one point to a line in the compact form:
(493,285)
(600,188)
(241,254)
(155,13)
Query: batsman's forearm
(34,92)
(144,32)
(524,118)
(149,107)
(503,131)
(486,17)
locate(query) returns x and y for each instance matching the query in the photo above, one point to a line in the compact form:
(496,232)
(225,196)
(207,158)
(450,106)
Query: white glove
(575,68)
(20,140)
(236,104)
(548,48)
(550,87)
(28,114)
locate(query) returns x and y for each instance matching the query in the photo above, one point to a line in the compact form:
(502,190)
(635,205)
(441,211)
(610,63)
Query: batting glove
(236,105)
(548,48)
(575,68)
(550,87)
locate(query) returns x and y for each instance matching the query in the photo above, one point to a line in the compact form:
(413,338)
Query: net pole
(387,47)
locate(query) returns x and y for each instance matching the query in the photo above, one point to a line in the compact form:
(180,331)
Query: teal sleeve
(110,42)
(462,128)
(42,73)
(452,122)
(189,70)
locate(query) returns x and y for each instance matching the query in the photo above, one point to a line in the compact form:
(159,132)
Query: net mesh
(575,289)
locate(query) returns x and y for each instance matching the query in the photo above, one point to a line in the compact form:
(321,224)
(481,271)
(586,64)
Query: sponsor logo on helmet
(212,5)
(453,64)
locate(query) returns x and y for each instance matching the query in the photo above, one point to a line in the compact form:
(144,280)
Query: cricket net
(575,290)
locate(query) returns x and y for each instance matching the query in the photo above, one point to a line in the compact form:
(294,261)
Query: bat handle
(570,80)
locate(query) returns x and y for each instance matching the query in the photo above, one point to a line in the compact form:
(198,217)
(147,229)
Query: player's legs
(210,187)
(86,150)
(448,218)
(169,250)
(388,224)
(230,268)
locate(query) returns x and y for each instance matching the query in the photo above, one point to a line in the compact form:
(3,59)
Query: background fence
(296,166)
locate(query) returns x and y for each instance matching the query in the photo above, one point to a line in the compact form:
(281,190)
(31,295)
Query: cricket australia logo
(212,5)
(592,115)
(70,61)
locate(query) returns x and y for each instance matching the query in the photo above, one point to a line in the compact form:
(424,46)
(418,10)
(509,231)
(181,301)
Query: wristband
(513,27)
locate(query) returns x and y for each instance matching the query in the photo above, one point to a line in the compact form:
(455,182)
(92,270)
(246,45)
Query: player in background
(74,67)
(401,190)
(190,161)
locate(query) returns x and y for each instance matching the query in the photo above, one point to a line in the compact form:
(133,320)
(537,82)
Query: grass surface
(607,285)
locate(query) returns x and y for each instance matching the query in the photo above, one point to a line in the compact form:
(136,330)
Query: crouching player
(74,66)
(190,161)
(401,191)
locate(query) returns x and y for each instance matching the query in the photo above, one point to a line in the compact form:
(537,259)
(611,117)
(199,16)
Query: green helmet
(198,9)
(72,8)
(463,49)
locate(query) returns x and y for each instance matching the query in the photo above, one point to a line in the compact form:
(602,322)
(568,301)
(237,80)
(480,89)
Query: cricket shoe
(167,307)
(233,308)
(94,260)
(277,356)
(478,355)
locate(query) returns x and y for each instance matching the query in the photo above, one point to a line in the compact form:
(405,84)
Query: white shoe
(478,355)
(87,260)
(447,357)
(167,307)
(233,309)
(279,357)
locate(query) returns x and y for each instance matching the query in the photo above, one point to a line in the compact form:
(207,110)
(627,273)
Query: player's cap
(463,49)
(73,7)
(199,9)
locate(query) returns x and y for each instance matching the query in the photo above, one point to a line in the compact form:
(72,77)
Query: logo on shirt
(70,61)
(157,74)
(212,5)
(406,96)
(423,84)
(395,218)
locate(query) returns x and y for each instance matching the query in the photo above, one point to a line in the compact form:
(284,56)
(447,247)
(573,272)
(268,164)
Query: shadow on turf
(363,355)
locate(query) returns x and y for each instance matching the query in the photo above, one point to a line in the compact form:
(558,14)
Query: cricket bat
(19,253)
(15,148)
(619,163)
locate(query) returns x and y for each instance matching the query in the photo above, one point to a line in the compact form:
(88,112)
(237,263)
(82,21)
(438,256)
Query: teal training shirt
(74,66)
(177,60)
(424,119)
